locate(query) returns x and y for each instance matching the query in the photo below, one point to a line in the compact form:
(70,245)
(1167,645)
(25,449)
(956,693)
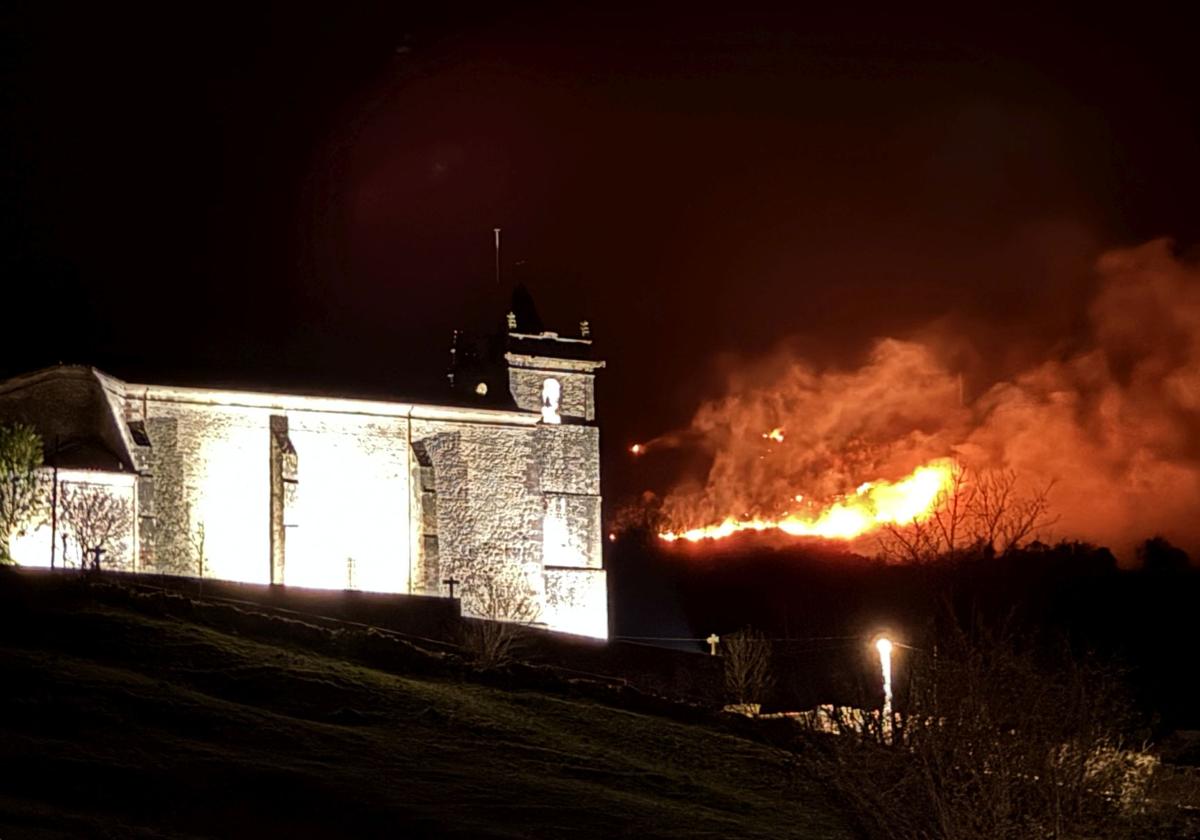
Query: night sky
(291,199)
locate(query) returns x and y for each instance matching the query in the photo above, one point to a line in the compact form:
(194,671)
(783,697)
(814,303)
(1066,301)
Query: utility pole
(451,582)
(54,511)
(713,640)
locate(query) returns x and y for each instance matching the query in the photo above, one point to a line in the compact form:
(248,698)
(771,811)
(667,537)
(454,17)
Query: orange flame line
(872,505)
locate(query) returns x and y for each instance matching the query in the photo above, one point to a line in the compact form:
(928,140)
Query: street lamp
(884,646)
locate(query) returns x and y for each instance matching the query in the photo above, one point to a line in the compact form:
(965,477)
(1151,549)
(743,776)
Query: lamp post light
(884,646)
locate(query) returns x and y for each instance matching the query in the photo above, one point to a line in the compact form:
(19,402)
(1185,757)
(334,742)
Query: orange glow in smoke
(775,435)
(872,504)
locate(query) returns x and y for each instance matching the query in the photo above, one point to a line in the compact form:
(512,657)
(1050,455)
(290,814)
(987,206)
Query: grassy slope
(116,724)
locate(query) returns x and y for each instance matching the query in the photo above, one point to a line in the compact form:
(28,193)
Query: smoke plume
(1114,424)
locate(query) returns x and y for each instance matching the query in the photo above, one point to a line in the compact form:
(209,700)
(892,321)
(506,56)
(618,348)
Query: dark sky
(285,198)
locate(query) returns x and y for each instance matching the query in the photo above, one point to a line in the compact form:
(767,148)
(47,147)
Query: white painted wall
(33,548)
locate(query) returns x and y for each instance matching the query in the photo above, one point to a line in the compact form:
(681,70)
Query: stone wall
(346,519)
(489,515)
(353,508)
(576,601)
(346,494)
(387,497)
(575,398)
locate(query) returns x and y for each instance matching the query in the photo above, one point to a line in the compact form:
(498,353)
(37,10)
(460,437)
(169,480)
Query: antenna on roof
(496,231)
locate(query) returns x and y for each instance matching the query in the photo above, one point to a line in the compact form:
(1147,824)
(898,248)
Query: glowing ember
(637,449)
(775,435)
(872,504)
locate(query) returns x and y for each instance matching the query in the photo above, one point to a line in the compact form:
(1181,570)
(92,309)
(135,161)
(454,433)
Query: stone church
(497,488)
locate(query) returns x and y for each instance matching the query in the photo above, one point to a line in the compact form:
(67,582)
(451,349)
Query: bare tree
(978,511)
(199,557)
(747,661)
(1002,517)
(23,494)
(181,549)
(992,741)
(950,526)
(97,519)
(944,532)
(501,605)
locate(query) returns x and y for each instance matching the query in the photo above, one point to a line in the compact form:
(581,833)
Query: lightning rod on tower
(496,231)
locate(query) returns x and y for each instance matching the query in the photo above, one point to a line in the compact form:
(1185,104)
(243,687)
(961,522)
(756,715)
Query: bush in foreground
(995,741)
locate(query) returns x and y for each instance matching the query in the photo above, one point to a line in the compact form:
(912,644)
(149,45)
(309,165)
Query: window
(551,392)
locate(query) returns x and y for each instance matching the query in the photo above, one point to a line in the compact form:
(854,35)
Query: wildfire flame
(872,504)
(775,435)
(637,449)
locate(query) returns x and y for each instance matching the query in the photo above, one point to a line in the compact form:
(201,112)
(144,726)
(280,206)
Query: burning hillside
(1108,433)
(870,505)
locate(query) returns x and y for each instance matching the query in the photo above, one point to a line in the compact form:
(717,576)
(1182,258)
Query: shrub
(993,741)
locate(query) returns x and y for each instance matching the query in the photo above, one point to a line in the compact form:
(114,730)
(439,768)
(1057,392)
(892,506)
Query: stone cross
(451,582)
(713,640)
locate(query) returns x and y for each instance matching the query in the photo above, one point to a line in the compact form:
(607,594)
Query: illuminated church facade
(497,490)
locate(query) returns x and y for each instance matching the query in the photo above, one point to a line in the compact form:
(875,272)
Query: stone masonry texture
(378,496)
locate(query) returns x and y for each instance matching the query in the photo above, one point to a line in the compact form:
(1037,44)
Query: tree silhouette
(747,661)
(979,512)
(97,519)
(1158,556)
(23,494)
(501,604)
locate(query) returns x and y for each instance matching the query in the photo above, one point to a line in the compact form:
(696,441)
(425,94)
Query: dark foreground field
(116,723)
